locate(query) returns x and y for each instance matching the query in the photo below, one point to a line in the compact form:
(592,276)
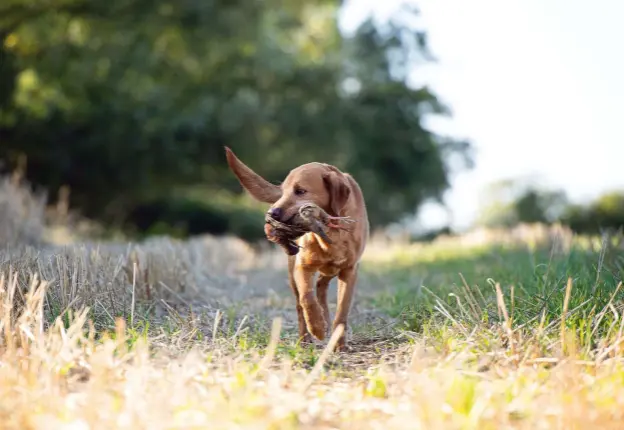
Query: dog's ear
(258,187)
(339,191)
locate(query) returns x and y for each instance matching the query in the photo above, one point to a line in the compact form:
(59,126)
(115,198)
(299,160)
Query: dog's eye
(300,192)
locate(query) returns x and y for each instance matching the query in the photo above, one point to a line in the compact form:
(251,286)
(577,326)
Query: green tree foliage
(511,202)
(131,101)
(606,212)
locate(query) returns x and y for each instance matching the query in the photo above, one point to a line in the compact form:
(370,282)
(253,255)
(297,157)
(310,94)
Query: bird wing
(317,228)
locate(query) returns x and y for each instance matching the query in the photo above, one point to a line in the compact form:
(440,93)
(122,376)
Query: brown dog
(339,195)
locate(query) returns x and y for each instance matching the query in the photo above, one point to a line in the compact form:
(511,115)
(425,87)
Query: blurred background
(451,114)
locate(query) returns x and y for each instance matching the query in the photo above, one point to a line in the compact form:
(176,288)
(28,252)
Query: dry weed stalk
(22,213)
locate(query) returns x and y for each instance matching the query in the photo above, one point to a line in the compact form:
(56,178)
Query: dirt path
(219,279)
(241,282)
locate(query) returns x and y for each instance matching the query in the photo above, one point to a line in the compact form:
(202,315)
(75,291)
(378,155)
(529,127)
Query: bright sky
(536,85)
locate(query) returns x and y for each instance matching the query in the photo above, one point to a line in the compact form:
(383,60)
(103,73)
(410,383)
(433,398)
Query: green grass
(442,290)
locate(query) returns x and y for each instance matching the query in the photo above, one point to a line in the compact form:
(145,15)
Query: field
(509,329)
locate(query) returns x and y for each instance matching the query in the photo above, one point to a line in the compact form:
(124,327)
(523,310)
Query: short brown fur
(339,195)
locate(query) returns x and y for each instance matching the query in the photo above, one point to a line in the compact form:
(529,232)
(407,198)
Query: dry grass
(21,213)
(200,334)
(66,377)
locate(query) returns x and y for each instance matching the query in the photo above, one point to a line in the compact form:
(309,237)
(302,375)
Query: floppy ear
(258,187)
(339,191)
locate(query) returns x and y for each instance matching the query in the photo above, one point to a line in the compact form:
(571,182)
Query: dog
(339,195)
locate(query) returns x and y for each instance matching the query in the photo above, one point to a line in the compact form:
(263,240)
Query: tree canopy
(513,201)
(130,101)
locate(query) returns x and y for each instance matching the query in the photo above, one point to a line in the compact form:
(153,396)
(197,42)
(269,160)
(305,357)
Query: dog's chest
(328,260)
(329,270)
(323,266)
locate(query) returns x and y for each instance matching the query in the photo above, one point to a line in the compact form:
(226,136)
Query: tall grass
(21,213)
(69,375)
(512,331)
(529,291)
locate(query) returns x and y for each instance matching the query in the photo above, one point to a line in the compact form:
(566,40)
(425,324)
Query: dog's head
(318,183)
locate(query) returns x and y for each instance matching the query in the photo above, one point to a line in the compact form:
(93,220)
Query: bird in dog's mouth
(309,218)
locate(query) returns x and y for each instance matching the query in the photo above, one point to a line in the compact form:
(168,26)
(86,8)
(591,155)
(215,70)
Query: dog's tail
(258,187)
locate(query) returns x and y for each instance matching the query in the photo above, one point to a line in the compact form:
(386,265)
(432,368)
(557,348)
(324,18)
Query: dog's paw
(314,317)
(342,344)
(315,321)
(306,339)
(317,328)
(342,348)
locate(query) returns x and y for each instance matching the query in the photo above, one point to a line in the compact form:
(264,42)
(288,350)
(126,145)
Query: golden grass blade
(566,302)
(276,328)
(331,345)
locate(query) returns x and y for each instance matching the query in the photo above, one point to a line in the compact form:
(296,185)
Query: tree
(129,101)
(514,201)
(606,212)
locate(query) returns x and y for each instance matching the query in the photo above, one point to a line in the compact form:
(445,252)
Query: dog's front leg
(347,279)
(312,311)
(322,285)
(304,335)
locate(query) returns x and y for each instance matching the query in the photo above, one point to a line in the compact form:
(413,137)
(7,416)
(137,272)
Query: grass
(21,213)
(510,329)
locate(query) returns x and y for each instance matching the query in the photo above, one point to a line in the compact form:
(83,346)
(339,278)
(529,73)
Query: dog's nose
(276,213)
